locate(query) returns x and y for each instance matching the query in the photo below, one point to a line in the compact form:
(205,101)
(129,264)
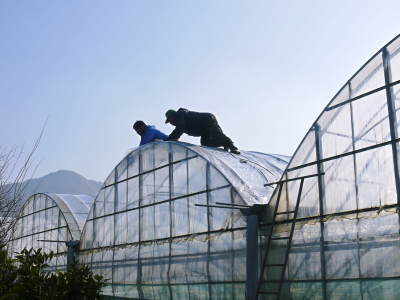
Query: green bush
(25,277)
(8,272)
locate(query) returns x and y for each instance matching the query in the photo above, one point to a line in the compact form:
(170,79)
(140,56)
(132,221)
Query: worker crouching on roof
(148,133)
(204,125)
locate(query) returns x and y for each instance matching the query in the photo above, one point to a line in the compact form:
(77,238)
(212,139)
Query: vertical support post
(321,194)
(392,117)
(353,143)
(139,261)
(209,212)
(171,191)
(116,187)
(72,250)
(251,256)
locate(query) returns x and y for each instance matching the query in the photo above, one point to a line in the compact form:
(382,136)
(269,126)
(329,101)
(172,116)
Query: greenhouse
(146,234)
(47,221)
(179,221)
(335,221)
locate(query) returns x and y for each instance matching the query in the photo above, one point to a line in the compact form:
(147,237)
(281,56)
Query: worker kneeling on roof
(148,133)
(204,125)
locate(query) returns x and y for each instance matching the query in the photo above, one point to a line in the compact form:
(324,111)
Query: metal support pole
(72,250)
(139,262)
(322,204)
(254,214)
(251,257)
(170,208)
(392,118)
(353,146)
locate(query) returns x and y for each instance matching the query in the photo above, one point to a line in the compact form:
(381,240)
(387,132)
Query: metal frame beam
(362,95)
(149,171)
(322,204)
(160,202)
(294,179)
(338,214)
(343,155)
(251,256)
(392,117)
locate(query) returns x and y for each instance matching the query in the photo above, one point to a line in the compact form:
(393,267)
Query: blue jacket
(152,134)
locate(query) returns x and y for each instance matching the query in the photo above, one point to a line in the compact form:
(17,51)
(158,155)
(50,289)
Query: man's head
(140,127)
(170,115)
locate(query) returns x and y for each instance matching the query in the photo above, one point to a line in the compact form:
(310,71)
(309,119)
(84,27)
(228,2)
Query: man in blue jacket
(148,133)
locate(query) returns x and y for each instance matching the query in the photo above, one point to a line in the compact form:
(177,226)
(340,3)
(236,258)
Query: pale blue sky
(265,68)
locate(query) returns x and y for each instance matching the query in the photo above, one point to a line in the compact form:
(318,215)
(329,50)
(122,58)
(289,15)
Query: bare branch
(14,170)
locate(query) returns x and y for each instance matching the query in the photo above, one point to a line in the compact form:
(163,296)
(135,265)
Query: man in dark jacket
(204,125)
(148,133)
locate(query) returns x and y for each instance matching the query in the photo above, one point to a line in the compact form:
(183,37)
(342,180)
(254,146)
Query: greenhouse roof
(74,206)
(47,218)
(246,172)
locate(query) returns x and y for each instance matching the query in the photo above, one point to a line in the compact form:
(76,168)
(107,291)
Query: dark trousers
(213,135)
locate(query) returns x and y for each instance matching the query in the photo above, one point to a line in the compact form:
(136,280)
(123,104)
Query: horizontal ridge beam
(293,179)
(286,212)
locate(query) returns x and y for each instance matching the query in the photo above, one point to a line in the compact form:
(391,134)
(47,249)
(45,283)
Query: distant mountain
(62,182)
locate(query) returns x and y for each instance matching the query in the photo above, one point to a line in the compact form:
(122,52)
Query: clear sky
(265,68)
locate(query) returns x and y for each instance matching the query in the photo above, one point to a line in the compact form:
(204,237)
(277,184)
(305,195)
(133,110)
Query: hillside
(62,182)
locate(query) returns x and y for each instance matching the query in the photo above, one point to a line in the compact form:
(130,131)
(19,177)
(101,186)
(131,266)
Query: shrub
(25,277)
(8,272)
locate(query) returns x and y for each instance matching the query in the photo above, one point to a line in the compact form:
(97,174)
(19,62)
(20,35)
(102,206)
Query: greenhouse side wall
(346,239)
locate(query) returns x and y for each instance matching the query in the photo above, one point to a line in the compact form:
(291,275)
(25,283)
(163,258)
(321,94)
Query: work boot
(234,150)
